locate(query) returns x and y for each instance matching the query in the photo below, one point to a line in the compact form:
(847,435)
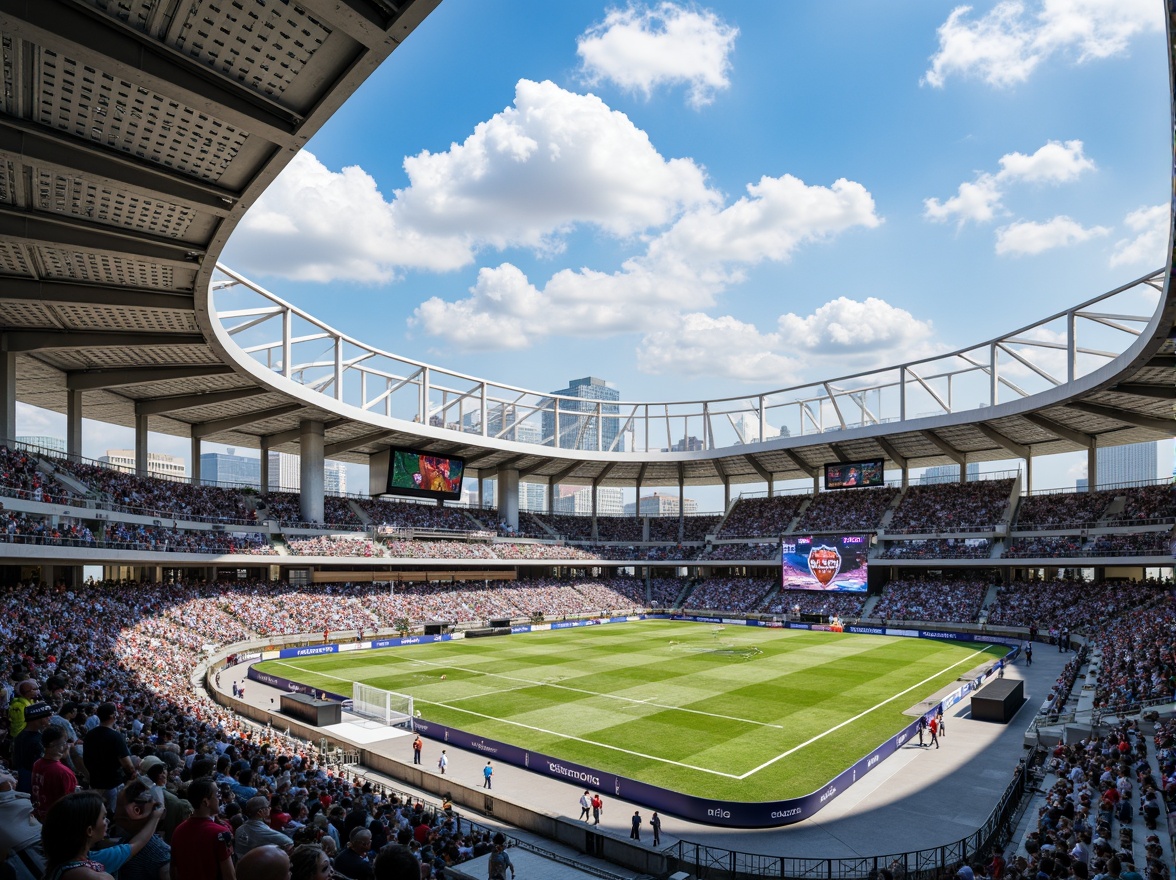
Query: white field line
(809,742)
(660,760)
(555,733)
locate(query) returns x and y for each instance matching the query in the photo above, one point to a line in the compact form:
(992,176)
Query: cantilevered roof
(134,134)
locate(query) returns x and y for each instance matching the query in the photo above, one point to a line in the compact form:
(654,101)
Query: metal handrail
(295,345)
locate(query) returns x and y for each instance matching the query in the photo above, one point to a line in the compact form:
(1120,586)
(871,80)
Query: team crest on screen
(824,562)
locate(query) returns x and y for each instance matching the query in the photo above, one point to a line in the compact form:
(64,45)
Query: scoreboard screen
(835,564)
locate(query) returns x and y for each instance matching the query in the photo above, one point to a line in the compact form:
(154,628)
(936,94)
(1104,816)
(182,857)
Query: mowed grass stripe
(616,697)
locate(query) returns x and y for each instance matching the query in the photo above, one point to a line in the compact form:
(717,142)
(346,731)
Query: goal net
(387,707)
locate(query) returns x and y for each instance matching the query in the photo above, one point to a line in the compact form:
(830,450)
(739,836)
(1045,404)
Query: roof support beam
(1146,389)
(38,340)
(359,20)
(1078,438)
(804,466)
(1018,449)
(161,405)
(114,48)
(599,478)
(537,466)
(39,290)
(759,469)
(1168,361)
(1152,423)
(839,453)
(29,145)
(205,429)
(946,448)
(893,454)
(93,379)
(339,446)
(70,233)
(556,479)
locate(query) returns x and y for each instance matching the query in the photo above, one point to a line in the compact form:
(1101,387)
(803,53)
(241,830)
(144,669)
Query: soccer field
(735,713)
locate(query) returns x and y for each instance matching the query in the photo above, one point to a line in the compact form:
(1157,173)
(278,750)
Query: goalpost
(387,707)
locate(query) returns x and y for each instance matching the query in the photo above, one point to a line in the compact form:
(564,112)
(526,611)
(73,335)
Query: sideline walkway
(917,798)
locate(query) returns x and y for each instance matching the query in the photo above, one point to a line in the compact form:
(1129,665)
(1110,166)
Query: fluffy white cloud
(845,326)
(682,270)
(979,200)
(1150,226)
(641,48)
(840,335)
(1019,239)
(1007,44)
(552,161)
(699,345)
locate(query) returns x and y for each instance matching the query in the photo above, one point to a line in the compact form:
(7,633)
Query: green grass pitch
(733,713)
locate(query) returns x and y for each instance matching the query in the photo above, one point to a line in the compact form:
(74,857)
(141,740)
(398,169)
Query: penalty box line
(555,733)
(836,727)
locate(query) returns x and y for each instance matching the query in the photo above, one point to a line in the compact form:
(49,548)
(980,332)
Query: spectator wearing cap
(27,693)
(256,830)
(153,772)
(52,780)
(27,748)
(20,832)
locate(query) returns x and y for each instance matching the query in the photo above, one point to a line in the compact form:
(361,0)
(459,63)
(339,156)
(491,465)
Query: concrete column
(817,483)
(1029,474)
(726,494)
(1092,466)
(906,478)
(73,425)
(310,470)
(772,487)
(141,430)
(8,395)
(637,501)
(264,484)
(964,470)
(481,491)
(550,497)
(195,460)
(508,497)
(595,533)
(681,504)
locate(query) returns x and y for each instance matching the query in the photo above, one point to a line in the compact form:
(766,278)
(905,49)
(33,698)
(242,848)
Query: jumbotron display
(854,474)
(424,476)
(836,564)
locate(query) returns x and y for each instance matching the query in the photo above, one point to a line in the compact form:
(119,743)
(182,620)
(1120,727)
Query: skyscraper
(229,469)
(1133,463)
(596,430)
(501,422)
(285,474)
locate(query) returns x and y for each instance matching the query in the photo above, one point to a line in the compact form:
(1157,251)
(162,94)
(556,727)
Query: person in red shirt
(52,780)
(202,846)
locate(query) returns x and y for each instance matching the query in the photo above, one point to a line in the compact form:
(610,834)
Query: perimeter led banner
(855,474)
(836,564)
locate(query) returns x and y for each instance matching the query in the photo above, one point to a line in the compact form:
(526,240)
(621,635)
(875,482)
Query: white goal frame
(387,707)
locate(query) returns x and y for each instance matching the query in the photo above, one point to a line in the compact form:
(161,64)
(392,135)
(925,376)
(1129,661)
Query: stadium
(758,675)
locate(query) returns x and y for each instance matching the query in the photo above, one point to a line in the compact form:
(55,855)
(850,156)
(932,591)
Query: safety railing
(292,343)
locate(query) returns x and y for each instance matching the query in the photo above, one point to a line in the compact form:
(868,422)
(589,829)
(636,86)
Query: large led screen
(424,475)
(854,474)
(835,563)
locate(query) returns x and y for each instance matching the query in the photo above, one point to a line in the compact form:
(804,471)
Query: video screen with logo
(855,474)
(835,564)
(424,476)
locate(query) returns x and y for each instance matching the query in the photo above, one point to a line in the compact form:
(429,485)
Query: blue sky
(694,200)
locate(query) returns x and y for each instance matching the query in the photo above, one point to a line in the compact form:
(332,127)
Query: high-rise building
(688,444)
(42,441)
(948,473)
(1132,463)
(598,429)
(577,501)
(502,422)
(229,469)
(285,474)
(158,464)
(661,505)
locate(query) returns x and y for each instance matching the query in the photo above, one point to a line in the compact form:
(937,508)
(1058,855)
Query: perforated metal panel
(13,259)
(133,320)
(106,269)
(263,45)
(7,183)
(68,194)
(129,356)
(89,104)
(26,314)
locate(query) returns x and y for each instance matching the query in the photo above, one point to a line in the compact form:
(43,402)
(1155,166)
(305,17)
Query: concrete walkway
(917,798)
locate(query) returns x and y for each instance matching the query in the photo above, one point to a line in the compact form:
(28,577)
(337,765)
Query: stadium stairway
(722,521)
(279,544)
(989,601)
(685,594)
(888,514)
(804,505)
(868,608)
(360,512)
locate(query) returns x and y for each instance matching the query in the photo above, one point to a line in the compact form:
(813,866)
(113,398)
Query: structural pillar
(726,495)
(1029,474)
(310,470)
(195,459)
(681,503)
(595,533)
(906,478)
(8,395)
(551,496)
(481,492)
(1092,466)
(508,497)
(264,475)
(141,429)
(964,470)
(73,425)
